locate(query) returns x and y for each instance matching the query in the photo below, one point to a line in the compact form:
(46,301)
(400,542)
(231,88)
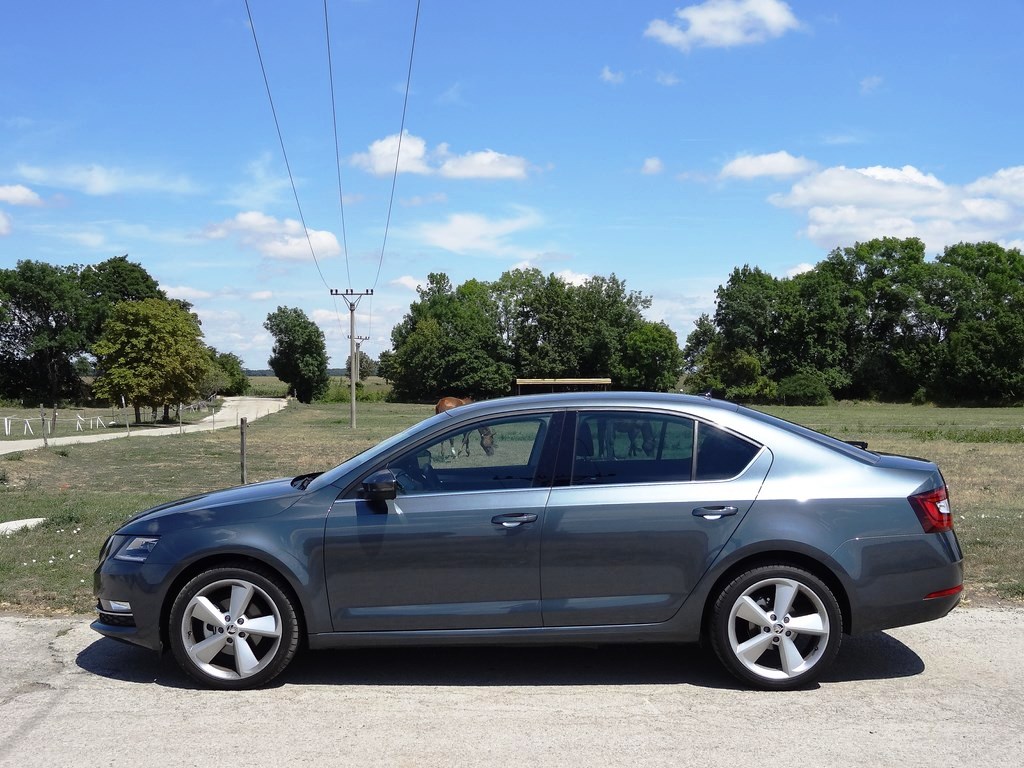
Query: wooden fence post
(242,429)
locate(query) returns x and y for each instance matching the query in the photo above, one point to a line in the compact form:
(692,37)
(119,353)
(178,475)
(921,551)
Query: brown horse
(486,435)
(447,403)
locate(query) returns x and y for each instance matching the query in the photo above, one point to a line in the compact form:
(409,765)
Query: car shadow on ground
(876,656)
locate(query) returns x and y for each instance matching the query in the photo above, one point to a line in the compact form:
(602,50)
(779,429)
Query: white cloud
(482,165)
(869,85)
(668,79)
(1007,183)
(842,139)
(475,233)
(5,224)
(408,281)
(261,187)
(185,292)
(417,200)
(775,164)
(799,269)
(99,181)
(18,194)
(379,160)
(652,166)
(261,295)
(611,77)
(276,239)
(573,278)
(724,24)
(875,186)
(843,205)
(93,240)
(452,95)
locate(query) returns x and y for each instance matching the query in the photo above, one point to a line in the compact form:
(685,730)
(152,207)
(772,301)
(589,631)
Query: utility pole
(354,365)
(352,299)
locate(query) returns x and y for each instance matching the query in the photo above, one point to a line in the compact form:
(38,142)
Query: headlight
(134,549)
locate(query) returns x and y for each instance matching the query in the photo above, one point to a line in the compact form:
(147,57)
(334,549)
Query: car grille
(117,619)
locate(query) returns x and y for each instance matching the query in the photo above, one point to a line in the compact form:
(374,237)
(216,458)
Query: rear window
(809,434)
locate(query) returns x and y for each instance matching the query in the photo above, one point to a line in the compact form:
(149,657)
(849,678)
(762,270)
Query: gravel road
(946,693)
(231,411)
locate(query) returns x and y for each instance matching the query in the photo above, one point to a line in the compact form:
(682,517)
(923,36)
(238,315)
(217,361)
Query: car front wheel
(233,627)
(776,627)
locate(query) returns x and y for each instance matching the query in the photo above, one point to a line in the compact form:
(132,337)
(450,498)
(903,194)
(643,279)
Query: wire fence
(45,423)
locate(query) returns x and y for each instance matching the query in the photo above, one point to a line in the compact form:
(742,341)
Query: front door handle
(713,513)
(514,519)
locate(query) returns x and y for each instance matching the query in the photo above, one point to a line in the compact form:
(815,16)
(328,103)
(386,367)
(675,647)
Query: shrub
(804,388)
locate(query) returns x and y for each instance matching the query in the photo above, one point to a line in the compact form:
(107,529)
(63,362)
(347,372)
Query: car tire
(233,627)
(776,649)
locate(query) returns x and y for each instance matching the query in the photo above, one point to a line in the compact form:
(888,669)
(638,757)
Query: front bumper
(130,598)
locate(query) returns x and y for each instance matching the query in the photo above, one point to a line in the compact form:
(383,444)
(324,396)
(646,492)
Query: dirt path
(232,411)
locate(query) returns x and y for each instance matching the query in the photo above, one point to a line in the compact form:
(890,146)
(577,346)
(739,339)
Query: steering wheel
(416,474)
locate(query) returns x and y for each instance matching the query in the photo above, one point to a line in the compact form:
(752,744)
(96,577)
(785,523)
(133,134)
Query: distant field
(86,491)
(271,386)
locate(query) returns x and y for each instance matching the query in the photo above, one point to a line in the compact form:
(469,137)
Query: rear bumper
(893,577)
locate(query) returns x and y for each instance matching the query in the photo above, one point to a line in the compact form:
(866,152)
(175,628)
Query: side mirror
(380,486)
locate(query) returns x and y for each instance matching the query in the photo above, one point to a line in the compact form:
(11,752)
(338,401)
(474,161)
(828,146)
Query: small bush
(804,388)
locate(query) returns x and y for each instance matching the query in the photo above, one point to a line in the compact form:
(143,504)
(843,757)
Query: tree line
(106,331)
(475,339)
(871,321)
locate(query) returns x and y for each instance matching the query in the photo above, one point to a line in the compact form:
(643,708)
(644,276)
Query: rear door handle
(514,519)
(713,513)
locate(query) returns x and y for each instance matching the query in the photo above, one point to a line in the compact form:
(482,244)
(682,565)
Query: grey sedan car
(600,517)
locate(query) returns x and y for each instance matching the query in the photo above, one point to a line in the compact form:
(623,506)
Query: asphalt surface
(947,693)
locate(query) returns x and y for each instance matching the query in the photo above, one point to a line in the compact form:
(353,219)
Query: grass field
(86,491)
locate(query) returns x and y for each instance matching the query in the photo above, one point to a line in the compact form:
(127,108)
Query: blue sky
(663,141)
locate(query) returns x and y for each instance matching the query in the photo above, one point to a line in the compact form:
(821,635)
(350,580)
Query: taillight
(932,508)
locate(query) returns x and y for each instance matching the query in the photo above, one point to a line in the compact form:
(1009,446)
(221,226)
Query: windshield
(340,471)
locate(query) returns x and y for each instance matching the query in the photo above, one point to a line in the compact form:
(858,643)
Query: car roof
(596,400)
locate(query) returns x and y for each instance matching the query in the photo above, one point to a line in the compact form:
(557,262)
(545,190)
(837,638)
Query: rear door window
(614,447)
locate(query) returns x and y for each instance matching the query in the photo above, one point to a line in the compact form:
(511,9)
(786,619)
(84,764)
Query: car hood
(242,502)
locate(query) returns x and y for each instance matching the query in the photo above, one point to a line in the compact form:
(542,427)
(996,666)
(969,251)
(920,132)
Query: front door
(460,546)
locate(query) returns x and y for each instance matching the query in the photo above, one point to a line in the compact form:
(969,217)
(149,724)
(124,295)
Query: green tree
(299,355)
(226,376)
(978,300)
(42,310)
(367,365)
(110,282)
(448,343)
(151,353)
(651,358)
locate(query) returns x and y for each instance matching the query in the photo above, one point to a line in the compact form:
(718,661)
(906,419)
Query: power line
(398,154)
(337,148)
(280,138)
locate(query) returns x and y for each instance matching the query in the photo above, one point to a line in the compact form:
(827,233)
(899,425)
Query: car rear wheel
(233,627)
(776,627)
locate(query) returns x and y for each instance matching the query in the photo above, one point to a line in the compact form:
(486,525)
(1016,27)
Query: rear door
(639,515)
